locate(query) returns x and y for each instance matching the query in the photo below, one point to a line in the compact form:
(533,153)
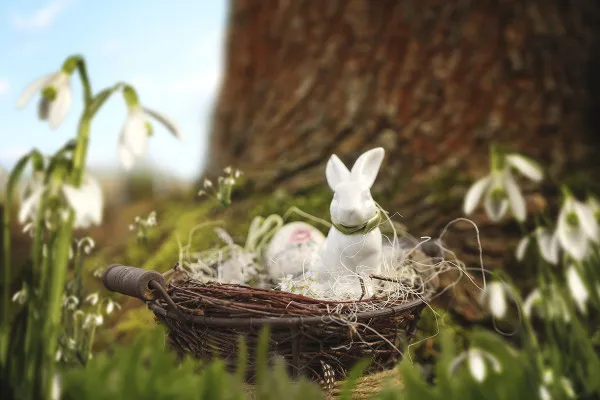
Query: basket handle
(132,281)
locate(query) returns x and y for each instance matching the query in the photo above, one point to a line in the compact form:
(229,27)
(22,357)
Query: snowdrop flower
(549,381)
(70,302)
(522,247)
(525,166)
(499,190)
(30,197)
(594,205)
(500,193)
(476,360)
(86,202)
(56,389)
(576,227)
(534,298)
(98,272)
(493,298)
(93,320)
(21,296)
(92,298)
(548,245)
(555,304)
(111,305)
(577,288)
(134,136)
(544,393)
(56,96)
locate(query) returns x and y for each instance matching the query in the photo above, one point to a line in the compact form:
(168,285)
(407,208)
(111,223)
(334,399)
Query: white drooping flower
(525,166)
(522,247)
(500,194)
(563,384)
(493,298)
(86,201)
(111,305)
(477,361)
(30,197)
(499,190)
(476,365)
(548,244)
(576,228)
(134,136)
(93,298)
(93,320)
(533,299)
(554,307)
(579,292)
(56,389)
(21,296)
(594,206)
(56,96)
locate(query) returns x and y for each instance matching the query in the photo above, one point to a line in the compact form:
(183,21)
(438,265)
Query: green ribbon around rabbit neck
(360,229)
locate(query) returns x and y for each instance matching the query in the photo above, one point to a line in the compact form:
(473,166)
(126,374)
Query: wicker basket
(206,320)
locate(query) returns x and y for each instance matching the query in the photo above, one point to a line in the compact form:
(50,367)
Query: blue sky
(171,51)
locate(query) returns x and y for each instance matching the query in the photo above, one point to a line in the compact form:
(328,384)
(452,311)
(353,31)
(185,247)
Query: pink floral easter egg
(292,249)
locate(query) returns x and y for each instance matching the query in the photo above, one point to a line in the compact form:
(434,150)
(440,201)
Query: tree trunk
(432,81)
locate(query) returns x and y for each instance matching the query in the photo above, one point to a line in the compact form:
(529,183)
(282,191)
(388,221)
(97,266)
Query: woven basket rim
(246,322)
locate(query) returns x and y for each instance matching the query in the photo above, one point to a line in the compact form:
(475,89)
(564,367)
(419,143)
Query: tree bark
(432,81)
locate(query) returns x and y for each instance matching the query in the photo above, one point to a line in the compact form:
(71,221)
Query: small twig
(384,278)
(362,287)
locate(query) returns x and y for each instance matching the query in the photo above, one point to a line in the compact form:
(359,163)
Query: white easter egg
(292,248)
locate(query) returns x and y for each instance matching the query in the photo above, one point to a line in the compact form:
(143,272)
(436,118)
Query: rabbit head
(352,203)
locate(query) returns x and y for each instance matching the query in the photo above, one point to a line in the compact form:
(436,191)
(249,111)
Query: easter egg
(292,249)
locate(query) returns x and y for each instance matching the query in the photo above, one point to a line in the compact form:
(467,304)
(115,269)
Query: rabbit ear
(336,172)
(367,165)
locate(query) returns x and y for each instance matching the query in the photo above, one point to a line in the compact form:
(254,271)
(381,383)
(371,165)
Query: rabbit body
(353,246)
(345,258)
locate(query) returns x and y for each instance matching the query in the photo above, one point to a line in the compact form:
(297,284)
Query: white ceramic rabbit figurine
(353,245)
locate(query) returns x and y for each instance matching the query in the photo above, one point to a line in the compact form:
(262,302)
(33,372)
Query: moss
(445,189)
(181,224)
(315,202)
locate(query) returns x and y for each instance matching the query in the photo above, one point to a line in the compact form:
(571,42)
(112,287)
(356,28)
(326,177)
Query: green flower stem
(81,149)
(496,158)
(6,223)
(56,288)
(38,237)
(77,62)
(36,339)
(530,336)
(56,284)
(40,268)
(566,191)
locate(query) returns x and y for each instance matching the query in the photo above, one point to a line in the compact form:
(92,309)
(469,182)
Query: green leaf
(262,351)
(414,385)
